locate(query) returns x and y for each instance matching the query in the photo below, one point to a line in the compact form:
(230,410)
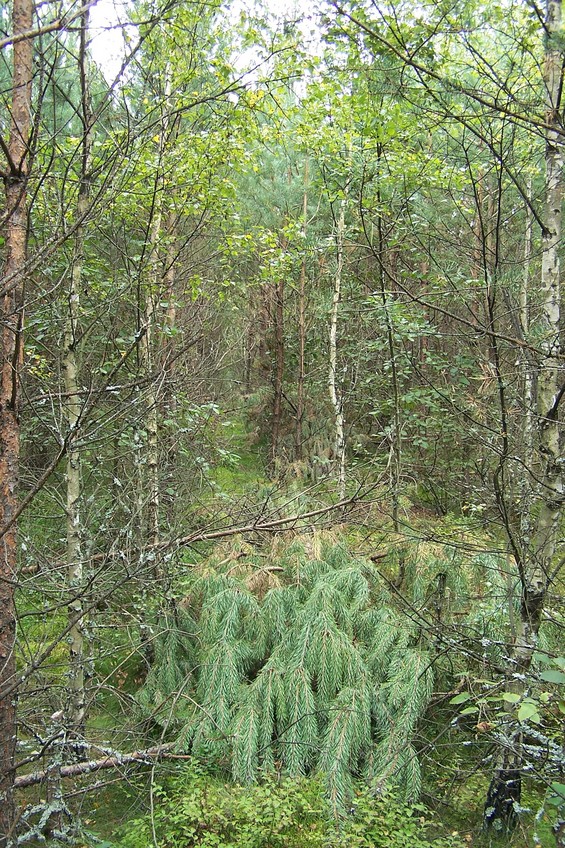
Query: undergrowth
(196,811)
(298,662)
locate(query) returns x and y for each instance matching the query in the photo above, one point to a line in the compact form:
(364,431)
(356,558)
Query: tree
(535,557)
(15,176)
(297,664)
(450,74)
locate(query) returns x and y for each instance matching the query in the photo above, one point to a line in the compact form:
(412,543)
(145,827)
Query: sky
(107,15)
(107,39)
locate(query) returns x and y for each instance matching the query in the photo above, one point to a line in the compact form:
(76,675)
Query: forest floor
(125,808)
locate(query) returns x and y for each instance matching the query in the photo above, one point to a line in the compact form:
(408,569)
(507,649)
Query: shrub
(198,811)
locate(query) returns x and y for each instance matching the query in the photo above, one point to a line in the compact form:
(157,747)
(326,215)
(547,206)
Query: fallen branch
(146,757)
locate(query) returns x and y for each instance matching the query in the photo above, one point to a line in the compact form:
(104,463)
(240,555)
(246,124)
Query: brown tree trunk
(15,184)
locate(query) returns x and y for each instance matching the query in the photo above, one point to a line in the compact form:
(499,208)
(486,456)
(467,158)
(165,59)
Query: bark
(168,401)
(279,371)
(335,395)
(77,694)
(528,385)
(535,565)
(15,185)
(298,437)
(149,490)
(148,756)
(151,421)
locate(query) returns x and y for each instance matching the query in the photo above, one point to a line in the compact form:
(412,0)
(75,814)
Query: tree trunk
(298,435)
(279,372)
(528,416)
(77,695)
(149,495)
(151,420)
(335,395)
(15,185)
(535,568)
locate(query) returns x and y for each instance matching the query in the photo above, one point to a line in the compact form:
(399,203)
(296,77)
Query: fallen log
(148,756)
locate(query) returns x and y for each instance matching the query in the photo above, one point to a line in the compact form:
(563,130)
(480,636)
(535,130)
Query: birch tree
(535,557)
(336,397)
(77,703)
(469,104)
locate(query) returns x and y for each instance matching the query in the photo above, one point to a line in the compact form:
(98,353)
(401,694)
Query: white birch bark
(528,388)
(149,495)
(298,451)
(335,393)
(152,392)
(75,567)
(535,567)
(546,531)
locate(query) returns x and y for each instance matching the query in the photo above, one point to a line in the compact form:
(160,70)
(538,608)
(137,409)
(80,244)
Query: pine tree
(318,674)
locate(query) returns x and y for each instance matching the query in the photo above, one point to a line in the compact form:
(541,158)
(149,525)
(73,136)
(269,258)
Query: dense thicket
(279,276)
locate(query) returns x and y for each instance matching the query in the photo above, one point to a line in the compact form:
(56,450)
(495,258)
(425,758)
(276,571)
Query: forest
(281,470)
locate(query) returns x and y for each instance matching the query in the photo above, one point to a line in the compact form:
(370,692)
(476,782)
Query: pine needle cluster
(314,673)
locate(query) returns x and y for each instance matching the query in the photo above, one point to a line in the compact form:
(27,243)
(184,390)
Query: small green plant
(198,811)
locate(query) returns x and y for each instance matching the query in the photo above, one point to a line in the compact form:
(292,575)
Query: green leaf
(527,711)
(511,697)
(541,658)
(552,676)
(469,710)
(461,698)
(556,794)
(545,697)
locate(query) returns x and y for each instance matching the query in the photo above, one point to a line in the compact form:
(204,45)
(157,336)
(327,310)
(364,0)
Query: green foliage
(294,663)
(196,811)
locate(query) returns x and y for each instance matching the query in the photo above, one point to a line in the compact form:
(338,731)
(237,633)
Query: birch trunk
(279,371)
(151,421)
(77,694)
(298,436)
(535,568)
(335,394)
(528,389)
(149,496)
(12,304)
